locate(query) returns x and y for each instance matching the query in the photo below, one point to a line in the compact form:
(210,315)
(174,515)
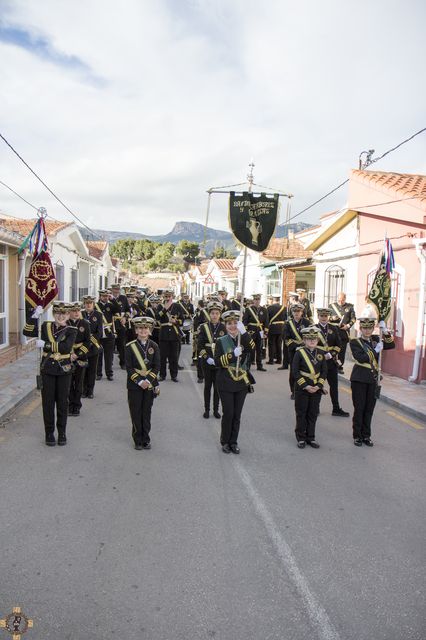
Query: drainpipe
(21,293)
(421,254)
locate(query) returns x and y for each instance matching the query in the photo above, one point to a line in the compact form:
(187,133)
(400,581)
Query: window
(59,271)
(73,287)
(394,322)
(334,283)
(273,284)
(3,296)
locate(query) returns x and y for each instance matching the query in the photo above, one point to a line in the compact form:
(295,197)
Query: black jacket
(95,320)
(149,354)
(366,359)
(226,361)
(256,319)
(331,342)
(108,310)
(82,342)
(208,334)
(168,331)
(292,336)
(277,315)
(309,368)
(58,344)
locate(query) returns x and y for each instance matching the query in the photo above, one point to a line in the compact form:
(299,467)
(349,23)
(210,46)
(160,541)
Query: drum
(187,324)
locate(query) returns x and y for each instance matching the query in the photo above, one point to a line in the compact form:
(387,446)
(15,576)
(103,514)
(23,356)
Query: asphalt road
(184,542)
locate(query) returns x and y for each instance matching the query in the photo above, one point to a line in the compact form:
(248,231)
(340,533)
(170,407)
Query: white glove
(241,328)
(262,335)
(39,344)
(382,324)
(210,361)
(37,312)
(237,351)
(378,347)
(328,356)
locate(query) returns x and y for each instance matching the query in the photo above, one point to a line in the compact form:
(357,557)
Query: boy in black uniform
(235,303)
(364,377)
(94,318)
(233,377)
(330,341)
(142,364)
(309,370)
(256,320)
(151,312)
(222,295)
(293,336)
(277,315)
(201,315)
(78,357)
(120,322)
(343,317)
(109,308)
(170,318)
(302,299)
(208,334)
(57,340)
(188,313)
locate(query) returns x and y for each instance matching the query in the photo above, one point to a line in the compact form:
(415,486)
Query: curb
(9,407)
(420,415)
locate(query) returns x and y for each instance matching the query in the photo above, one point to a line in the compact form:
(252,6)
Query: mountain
(194,232)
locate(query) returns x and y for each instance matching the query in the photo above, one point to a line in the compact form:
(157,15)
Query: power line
(48,188)
(19,196)
(372,161)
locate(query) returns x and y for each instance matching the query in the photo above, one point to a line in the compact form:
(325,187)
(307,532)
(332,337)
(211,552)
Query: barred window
(334,283)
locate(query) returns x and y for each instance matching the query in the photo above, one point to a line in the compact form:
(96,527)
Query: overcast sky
(130,110)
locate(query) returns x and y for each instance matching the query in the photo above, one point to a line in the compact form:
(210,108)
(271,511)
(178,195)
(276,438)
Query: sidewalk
(397,392)
(18,382)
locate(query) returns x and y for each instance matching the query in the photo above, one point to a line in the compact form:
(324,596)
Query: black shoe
(278,362)
(110,377)
(98,377)
(90,396)
(301,444)
(261,369)
(138,447)
(175,380)
(180,368)
(358,442)
(226,448)
(340,370)
(71,412)
(161,378)
(282,367)
(62,440)
(368,442)
(292,396)
(84,395)
(269,362)
(340,412)
(200,380)
(206,414)
(50,440)
(235,448)
(313,444)
(217,414)
(146,445)
(123,366)
(77,412)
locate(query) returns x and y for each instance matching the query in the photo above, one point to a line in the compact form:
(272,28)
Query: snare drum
(187,324)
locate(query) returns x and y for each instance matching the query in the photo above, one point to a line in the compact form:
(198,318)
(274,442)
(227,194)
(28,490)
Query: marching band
(146,331)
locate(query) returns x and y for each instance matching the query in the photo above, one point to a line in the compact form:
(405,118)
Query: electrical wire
(49,189)
(19,196)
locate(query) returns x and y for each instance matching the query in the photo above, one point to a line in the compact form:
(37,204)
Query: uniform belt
(77,345)
(278,322)
(367,365)
(56,356)
(312,376)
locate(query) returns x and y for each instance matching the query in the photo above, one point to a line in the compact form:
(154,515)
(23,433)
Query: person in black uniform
(120,322)
(171,319)
(208,334)
(256,320)
(79,355)
(237,301)
(222,295)
(151,312)
(365,377)
(309,370)
(109,309)
(277,316)
(142,364)
(188,314)
(57,340)
(330,341)
(302,299)
(134,311)
(293,337)
(233,378)
(201,315)
(292,298)
(343,317)
(94,318)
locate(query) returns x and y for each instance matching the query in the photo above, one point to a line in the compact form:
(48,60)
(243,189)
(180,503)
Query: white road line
(316,612)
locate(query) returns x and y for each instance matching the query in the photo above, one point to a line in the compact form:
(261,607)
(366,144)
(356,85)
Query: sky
(130,110)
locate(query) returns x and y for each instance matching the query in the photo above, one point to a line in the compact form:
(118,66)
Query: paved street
(184,542)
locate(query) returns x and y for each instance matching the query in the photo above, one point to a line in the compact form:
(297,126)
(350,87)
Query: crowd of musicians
(230,339)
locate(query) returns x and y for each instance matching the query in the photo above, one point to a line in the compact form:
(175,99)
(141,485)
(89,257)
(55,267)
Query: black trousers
(140,407)
(285,354)
(332,380)
(169,351)
(364,402)
(232,406)
(342,354)
(209,382)
(307,408)
(120,342)
(187,336)
(106,354)
(54,394)
(291,353)
(274,347)
(200,369)
(258,347)
(89,377)
(76,389)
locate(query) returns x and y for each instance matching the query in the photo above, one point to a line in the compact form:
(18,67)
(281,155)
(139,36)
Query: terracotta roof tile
(282,248)
(96,248)
(402,184)
(25,226)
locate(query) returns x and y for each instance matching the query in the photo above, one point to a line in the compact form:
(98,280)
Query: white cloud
(190,91)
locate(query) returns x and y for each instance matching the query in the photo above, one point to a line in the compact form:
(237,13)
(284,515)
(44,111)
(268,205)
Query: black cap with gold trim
(310,333)
(75,306)
(60,307)
(367,323)
(213,304)
(297,306)
(231,315)
(143,321)
(323,311)
(88,299)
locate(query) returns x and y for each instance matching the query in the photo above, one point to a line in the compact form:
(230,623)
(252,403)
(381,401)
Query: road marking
(30,407)
(345,389)
(411,423)
(316,612)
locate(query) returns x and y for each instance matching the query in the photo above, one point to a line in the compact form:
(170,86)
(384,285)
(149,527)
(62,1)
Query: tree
(123,249)
(188,250)
(220,252)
